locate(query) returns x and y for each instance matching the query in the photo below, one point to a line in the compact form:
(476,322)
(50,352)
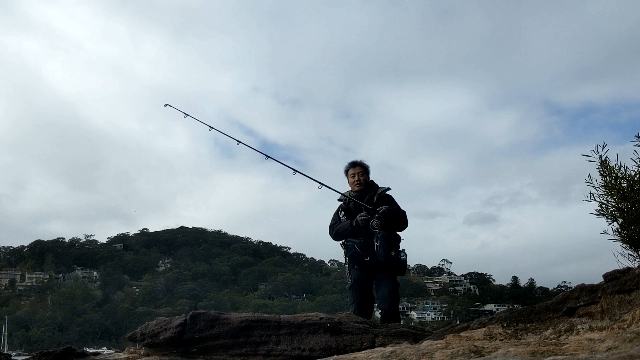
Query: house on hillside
(431,305)
(33,279)
(89,277)
(419,315)
(137,285)
(496,308)
(36,277)
(164,264)
(85,275)
(429,310)
(457,284)
(477,312)
(23,280)
(8,274)
(405,309)
(29,280)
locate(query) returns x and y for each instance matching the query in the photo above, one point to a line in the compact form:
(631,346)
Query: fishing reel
(381,218)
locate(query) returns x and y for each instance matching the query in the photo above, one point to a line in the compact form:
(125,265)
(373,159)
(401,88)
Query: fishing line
(269,157)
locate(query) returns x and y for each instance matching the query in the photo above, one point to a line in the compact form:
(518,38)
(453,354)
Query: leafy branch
(616,193)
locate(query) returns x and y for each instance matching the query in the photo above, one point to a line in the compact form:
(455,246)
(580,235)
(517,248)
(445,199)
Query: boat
(4,343)
(5,336)
(19,355)
(103,351)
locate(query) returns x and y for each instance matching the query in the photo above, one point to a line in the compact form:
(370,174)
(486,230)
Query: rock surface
(210,334)
(598,321)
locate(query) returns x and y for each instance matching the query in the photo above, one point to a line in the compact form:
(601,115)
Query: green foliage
(616,194)
(209,270)
(412,287)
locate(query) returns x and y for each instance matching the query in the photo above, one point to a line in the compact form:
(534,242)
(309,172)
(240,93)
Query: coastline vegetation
(202,270)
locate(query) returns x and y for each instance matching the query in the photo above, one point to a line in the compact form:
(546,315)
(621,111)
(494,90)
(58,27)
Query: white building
(31,279)
(8,274)
(85,275)
(431,305)
(89,277)
(36,278)
(419,315)
(428,310)
(496,308)
(405,309)
(457,284)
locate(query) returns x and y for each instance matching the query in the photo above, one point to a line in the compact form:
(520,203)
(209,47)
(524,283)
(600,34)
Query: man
(371,244)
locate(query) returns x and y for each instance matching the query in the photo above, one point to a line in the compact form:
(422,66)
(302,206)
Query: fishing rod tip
(165,105)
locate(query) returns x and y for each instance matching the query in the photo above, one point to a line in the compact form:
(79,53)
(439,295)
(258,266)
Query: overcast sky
(474,113)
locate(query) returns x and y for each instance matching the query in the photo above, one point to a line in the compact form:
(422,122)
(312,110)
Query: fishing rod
(267,157)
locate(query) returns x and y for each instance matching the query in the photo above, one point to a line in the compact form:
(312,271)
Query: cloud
(476,114)
(429,215)
(479,218)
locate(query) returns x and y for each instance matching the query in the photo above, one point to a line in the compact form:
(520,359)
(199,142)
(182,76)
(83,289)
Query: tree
(563,286)
(445,264)
(479,279)
(437,271)
(531,284)
(529,292)
(12,284)
(514,290)
(412,287)
(514,283)
(616,194)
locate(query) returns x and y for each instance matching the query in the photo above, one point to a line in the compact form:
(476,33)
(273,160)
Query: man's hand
(382,218)
(384,213)
(363,219)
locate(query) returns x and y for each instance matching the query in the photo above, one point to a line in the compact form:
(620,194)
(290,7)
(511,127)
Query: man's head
(357,173)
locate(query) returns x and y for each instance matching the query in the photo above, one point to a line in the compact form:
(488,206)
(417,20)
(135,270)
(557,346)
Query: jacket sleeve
(343,225)
(399,220)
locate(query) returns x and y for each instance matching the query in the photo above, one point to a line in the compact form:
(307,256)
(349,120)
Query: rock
(596,321)
(5,356)
(592,321)
(565,305)
(65,353)
(616,274)
(302,336)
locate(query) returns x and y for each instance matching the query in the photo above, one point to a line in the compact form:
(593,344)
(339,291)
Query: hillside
(88,293)
(152,274)
(595,321)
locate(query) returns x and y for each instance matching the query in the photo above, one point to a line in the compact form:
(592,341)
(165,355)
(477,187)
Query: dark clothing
(361,293)
(366,275)
(344,224)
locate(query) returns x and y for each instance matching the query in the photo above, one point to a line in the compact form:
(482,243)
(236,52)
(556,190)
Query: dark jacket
(344,224)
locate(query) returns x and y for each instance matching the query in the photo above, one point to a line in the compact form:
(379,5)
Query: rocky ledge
(213,335)
(594,321)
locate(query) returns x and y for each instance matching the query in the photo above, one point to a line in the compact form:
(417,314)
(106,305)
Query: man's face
(357,178)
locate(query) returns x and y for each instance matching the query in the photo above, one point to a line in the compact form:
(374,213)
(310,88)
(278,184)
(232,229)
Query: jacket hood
(371,189)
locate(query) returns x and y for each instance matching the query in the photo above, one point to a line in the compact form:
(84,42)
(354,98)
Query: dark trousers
(368,285)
